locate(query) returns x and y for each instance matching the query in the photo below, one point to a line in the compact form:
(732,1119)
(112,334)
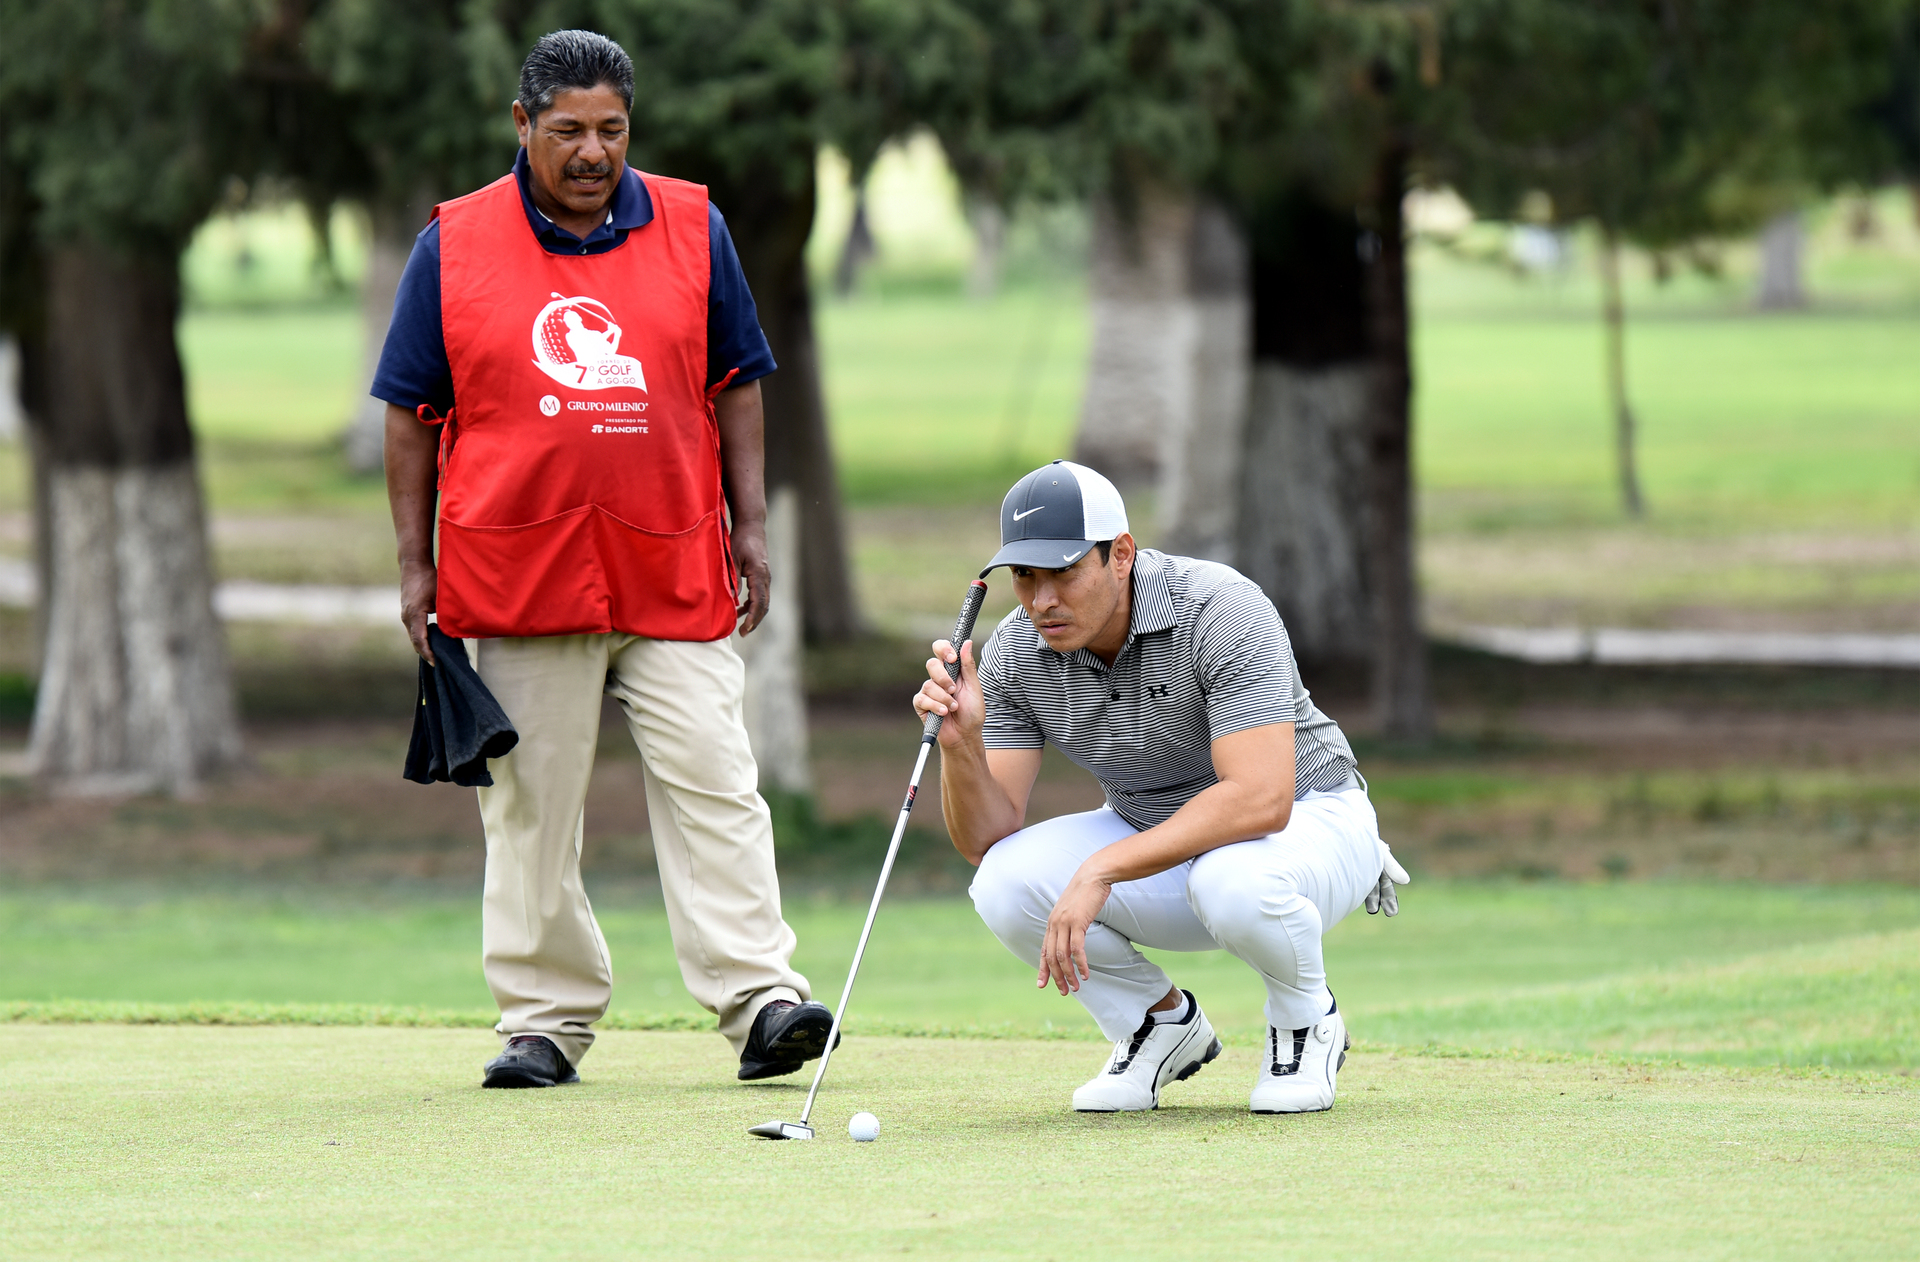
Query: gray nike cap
(1054,515)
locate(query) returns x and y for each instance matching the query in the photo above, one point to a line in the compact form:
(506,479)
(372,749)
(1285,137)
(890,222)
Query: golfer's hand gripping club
(962,632)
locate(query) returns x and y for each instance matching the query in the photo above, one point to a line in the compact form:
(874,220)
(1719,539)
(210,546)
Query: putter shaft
(929,733)
(866,931)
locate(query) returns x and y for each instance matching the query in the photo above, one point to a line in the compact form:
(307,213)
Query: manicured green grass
(1467,964)
(1852,1002)
(171,1142)
(1744,421)
(935,398)
(283,375)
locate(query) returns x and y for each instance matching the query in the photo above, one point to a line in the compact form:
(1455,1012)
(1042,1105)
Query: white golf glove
(1384,897)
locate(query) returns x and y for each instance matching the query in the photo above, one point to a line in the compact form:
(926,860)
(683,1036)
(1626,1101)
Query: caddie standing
(1236,818)
(574,363)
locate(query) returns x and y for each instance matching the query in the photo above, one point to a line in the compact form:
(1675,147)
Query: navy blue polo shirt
(413,364)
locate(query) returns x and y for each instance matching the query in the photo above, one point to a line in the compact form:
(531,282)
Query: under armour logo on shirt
(1156,690)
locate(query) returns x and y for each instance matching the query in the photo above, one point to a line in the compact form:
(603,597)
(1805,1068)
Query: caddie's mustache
(579,170)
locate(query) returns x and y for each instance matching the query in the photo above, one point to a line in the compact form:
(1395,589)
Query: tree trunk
(770,225)
(1325,521)
(989,224)
(391,229)
(134,690)
(1201,457)
(776,702)
(11,425)
(1614,314)
(1303,514)
(1303,532)
(1402,700)
(1782,243)
(32,383)
(42,538)
(858,249)
(1140,372)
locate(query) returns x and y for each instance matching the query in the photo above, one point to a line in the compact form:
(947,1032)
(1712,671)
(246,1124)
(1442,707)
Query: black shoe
(529,1060)
(786,1035)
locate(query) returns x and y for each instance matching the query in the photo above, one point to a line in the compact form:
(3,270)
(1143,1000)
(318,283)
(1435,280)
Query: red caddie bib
(581,489)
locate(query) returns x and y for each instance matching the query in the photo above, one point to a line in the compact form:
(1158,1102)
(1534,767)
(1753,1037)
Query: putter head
(781,1130)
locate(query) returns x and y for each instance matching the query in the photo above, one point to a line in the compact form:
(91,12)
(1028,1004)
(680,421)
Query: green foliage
(391,99)
(16,698)
(1664,121)
(1085,95)
(124,118)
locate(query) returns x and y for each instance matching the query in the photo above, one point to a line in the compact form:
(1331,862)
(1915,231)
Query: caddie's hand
(1384,897)
(419,592)
(750,554)
(1063,955)
(958,702)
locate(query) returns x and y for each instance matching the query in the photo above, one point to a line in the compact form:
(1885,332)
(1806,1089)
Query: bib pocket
(670,586)
(543,578)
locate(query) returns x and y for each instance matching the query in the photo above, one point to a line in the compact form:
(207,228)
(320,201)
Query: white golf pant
(1266,901)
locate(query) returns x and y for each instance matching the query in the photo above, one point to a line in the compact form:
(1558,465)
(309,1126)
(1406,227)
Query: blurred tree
(1317,166)
(1119,102)
(859,247)
(1245,163)
(394,107)
(1897,109)
(1783,244)
(1662,122)
(120,122)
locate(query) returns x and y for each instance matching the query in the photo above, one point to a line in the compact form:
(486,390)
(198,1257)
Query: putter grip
(962,632)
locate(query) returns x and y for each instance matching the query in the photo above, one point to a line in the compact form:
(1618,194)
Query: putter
(962,632)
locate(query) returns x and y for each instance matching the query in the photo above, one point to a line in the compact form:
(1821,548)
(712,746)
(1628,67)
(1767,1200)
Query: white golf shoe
(1157,1053)
(1301,1065)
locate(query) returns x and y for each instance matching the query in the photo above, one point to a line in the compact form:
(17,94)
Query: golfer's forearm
(978,809)
(1220,816)
(412,454)
(743,453)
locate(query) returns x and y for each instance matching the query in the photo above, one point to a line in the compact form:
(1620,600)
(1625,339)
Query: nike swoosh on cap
(1030,512)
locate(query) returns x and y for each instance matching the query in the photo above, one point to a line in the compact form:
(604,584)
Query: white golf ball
(864,1127)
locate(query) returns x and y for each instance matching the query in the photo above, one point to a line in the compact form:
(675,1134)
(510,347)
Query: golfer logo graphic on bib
(577,342)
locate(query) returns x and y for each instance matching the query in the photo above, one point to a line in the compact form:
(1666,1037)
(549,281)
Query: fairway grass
(1852,1003)
(1727,974)
(164,1142)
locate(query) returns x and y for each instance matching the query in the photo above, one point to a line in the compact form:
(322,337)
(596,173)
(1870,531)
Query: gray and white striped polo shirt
(1206,655)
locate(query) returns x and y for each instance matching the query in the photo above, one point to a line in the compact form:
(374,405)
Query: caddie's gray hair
(573,59)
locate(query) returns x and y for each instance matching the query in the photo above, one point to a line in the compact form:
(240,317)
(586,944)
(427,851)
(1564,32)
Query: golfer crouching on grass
(1236,818)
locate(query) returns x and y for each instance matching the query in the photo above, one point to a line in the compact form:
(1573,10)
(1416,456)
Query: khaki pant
(544,957)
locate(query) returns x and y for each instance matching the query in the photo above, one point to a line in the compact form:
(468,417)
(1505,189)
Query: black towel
(458,725)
